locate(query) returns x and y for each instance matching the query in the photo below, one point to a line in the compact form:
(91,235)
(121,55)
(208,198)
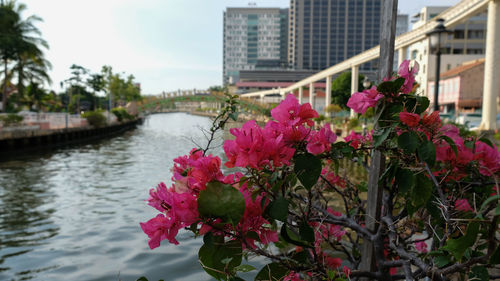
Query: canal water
(73,213)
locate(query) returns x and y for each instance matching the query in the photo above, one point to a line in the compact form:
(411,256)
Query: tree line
(25,72)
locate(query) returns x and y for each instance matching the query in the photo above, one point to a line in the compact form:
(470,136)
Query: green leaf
(142,278)
(218,258)
(495,257)
(236,278)
(379,138)
(457,247)
(405,180)
(427,153)
(244,268)
(271,272)
(278,209)
(408,141)
(421,191)
(451,143)
(308,169)
(479,273)
(233,116)
(497,210)
(389,172)
(391,86)
(290,237)
(487,141)
(488,201)
(306,232)
(422,104)
(223,201)
(441,261)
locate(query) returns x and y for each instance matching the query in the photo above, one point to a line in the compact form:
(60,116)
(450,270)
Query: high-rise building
(254,38)
(326,32)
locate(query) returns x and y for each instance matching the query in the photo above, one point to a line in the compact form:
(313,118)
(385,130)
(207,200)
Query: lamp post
(436,37)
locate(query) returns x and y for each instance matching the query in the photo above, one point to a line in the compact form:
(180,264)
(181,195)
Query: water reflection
(73,213)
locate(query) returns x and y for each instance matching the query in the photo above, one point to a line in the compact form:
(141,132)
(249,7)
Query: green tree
(36,96)
(341,88)
(31,67)
(78,73)
(97,83)
(18,38)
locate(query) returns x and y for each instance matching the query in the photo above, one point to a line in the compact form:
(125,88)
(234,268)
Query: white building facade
(253,39)
(465,43)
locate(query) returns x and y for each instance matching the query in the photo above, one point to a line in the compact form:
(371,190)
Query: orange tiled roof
(459,69)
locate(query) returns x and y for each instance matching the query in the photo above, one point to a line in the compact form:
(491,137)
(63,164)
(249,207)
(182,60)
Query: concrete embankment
(29,139)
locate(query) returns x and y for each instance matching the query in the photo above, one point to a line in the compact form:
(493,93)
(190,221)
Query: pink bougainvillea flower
(463,205)
(361,101)
(488,158)
(408,74)
(256,147)
(290,112)
(332,263)
(160,228)
(355,139)
(320,141)
(346,270)
(332,178)
(421,246)
(431,120)
(293,276)
(409,119)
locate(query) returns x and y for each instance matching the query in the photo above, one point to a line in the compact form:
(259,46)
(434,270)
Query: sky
(166,44)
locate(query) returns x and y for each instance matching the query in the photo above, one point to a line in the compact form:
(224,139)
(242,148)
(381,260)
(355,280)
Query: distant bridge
(452,16)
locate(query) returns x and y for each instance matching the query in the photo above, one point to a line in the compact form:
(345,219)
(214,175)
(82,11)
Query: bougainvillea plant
(292,201)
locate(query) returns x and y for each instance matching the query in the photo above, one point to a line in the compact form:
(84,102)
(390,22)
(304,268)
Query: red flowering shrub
(293,203)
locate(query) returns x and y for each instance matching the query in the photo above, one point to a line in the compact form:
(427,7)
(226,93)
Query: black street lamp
(437,36)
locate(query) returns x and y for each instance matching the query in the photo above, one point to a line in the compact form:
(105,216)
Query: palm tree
(31,67)
(18,38)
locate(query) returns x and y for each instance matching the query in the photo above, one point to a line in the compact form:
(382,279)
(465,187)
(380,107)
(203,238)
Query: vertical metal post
(438,70)
(374,202)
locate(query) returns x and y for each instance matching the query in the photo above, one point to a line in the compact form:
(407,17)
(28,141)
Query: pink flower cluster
(487,157)
(273,145)
(408,74)
(178,204)
(257,147)
(319,141)
(356,140)
(361,101)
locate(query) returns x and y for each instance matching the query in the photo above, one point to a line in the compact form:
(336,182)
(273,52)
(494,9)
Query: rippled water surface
(74,213)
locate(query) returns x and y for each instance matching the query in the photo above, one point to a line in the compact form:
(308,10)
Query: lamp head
(437,35)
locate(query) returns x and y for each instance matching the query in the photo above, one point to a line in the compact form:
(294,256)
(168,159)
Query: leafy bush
(431,211)
(121,114)
(95,118)
(11,119)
